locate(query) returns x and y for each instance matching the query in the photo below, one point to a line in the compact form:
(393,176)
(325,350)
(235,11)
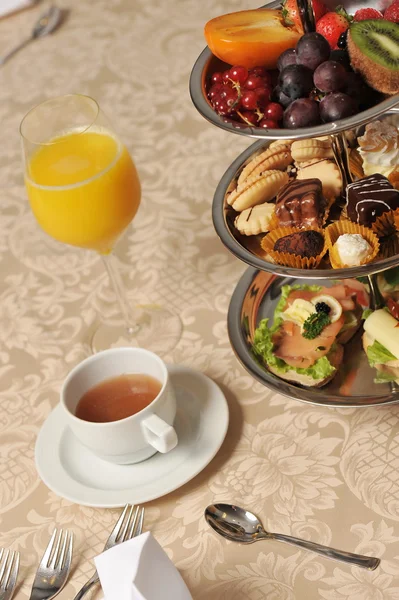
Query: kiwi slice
(373,47)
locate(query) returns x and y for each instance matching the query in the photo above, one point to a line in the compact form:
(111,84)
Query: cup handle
(159,434)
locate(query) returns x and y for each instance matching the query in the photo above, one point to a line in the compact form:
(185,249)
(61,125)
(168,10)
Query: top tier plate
(207,64)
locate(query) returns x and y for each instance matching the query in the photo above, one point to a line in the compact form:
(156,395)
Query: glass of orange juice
(84,190)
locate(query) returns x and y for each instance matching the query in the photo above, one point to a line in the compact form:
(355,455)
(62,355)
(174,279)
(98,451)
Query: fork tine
(46,556)
(61,554)
(4,556)
(68,557)
(132,525)
(54,558)
(116,530)
(125,527)
(14,566)
(139,529)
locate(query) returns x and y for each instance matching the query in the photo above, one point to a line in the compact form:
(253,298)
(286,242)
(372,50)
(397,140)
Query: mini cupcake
(350,245)
(299,248)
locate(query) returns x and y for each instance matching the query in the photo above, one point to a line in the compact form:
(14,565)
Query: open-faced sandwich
(311,323)
(381,342)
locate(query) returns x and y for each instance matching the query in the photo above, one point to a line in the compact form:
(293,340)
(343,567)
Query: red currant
(249,117)
(226,76)
(268,124)
(261,71)
(239,74)
(253,82)
(217,77)
(215,89)
(230,96)
(249,100)
(223,108)
(274,111)
(263,96)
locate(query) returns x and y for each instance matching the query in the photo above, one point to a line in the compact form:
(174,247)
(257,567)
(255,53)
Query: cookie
(277,158)
(255,220)
(327,171)
(306,150)
(257,189)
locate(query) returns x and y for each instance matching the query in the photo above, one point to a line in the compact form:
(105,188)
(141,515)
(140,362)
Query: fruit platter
(338,77)
(313,205)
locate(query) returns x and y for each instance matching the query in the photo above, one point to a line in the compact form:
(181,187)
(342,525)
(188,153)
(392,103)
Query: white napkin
(139,570)
(9,6)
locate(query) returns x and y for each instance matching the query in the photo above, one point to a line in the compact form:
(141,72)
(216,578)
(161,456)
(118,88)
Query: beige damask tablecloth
(326,474)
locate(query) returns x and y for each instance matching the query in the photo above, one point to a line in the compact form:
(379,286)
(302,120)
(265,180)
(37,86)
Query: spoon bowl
(239,525)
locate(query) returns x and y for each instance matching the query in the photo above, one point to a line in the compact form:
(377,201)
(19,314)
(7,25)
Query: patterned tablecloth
(326,474)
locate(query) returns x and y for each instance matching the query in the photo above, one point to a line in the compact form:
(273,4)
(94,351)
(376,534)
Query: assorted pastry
(282,77)
(290,199)
(311,325)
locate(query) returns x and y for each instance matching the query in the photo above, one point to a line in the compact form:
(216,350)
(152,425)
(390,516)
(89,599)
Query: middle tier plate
(248,248)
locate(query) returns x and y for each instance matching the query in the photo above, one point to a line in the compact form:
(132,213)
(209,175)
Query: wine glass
(84,190)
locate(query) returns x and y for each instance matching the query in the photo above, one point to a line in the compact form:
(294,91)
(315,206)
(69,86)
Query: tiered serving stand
(258,291)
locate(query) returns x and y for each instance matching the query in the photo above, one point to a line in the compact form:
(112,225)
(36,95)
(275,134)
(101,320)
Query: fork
(129,524)
(9,564)
(53,571)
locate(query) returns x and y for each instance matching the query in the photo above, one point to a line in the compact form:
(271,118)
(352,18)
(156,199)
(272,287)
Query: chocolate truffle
(370,197)
(302,243)
(301,203)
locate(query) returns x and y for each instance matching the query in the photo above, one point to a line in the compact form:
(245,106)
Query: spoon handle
(367,562)
(4,58)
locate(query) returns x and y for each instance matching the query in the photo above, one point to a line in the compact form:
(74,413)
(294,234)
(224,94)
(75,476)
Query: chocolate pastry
(301,203)
(370,197)
(302,243)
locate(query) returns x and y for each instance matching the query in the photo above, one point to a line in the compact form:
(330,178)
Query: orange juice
(83,189)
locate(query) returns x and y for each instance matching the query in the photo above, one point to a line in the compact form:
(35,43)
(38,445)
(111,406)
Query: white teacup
(134,438)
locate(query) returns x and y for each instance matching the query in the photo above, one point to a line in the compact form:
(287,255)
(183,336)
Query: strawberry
(332,24)
(291,13)
(392,12)
(367,13)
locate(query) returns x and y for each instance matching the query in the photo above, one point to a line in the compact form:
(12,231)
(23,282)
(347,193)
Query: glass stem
(132,327)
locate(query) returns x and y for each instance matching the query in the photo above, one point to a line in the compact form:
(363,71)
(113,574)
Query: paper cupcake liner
(394,178)
(385,229)
(356,164)
(333,232)
(285,258)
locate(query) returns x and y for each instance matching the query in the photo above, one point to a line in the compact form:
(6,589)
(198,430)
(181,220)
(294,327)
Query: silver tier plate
(207,63)
(254,299)
(248,249)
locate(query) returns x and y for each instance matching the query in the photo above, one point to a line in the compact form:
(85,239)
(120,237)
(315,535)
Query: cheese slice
(384,328)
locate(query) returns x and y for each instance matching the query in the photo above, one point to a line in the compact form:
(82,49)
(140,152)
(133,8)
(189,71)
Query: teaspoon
(46,24)
(239,525)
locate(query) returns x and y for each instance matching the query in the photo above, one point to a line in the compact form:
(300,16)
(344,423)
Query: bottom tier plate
(255,298)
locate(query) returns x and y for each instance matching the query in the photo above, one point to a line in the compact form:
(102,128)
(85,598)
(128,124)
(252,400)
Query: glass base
(158,330)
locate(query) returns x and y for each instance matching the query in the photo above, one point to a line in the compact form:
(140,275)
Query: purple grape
(280,97)
(342,57)
(363,95)
(311,50)
(330,76)
(336,106)
(296,81)
(288,57)
(301,113)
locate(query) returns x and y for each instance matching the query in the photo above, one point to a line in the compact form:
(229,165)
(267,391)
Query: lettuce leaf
(263,347)
(366,313)
(383,377)
(378,354)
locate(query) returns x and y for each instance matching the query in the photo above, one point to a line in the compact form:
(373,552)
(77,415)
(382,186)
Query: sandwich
(381,344)
(304,345)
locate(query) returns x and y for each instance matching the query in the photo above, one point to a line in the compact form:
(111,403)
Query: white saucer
(73,472)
